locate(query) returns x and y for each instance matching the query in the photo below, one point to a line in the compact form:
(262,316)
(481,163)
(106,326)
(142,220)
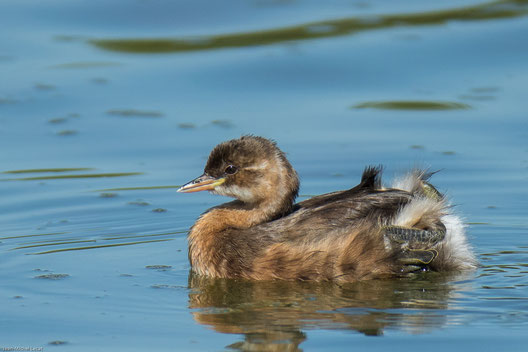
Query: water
(106,107)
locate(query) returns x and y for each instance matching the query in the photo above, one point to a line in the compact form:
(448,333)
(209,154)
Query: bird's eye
(230,170)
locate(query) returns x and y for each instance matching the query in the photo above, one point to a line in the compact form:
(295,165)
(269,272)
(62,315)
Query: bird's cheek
(244,194)
(221,190)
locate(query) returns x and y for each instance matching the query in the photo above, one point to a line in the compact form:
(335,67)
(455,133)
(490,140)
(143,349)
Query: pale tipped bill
(201,183)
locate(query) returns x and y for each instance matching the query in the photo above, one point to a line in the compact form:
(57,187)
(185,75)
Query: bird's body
(366,232)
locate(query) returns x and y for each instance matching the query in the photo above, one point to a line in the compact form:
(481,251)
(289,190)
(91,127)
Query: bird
(366,232)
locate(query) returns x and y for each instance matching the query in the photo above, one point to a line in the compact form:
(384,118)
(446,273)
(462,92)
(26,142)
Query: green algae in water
(412,105)
(57,177)
(31,171)
(312,30)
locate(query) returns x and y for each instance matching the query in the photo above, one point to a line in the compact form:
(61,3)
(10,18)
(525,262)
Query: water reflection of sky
(98,126)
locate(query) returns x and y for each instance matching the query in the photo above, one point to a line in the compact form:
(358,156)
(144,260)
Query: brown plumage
(361,233)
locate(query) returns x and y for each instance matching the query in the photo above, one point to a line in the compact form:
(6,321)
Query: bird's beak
(201,183)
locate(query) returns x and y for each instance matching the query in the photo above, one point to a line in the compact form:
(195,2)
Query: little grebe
(362,233)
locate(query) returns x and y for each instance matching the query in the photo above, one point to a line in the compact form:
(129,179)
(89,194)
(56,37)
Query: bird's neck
(209,233)
(237,215)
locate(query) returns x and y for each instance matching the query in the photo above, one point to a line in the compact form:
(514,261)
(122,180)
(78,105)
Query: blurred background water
(107,106)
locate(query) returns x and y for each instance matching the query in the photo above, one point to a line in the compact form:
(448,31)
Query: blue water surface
(106,107)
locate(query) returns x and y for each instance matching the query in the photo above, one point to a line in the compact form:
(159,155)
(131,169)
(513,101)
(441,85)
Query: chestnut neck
(239,214)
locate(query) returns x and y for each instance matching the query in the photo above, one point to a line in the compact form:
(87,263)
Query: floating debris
(57,342)
(43,86)
(67,37)
(477,97)
(411,105)
(139,202)
(63,119)
(161,286)
(108,195)
(159,267)
(134,113)
(487,287)
(186,125)
(485,89)
(7,101)
(222,123)
(67,132)
(159,210)
(99,80)
(52,276)
(57,120)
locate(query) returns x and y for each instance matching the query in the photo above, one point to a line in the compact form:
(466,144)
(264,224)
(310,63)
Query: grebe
(362,233)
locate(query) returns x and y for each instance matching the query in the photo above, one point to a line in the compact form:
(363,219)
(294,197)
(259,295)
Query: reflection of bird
(366,232)
(269,313)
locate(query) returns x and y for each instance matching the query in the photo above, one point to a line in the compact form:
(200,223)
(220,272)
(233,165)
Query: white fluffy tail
(428,207)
